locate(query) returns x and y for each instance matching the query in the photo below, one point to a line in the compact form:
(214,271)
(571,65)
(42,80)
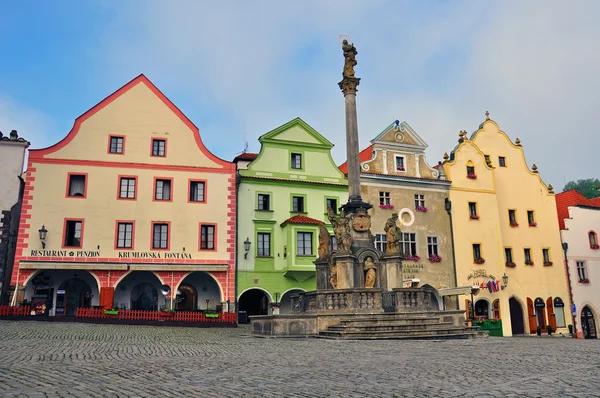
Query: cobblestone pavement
(44,359)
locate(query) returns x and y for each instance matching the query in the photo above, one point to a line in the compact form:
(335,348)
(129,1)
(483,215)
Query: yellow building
(505,223)
(128,202)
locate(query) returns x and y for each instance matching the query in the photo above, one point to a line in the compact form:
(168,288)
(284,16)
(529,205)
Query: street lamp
(43,232)
(504,281)
(246,247)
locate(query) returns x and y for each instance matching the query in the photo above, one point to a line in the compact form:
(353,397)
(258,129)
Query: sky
(239,69)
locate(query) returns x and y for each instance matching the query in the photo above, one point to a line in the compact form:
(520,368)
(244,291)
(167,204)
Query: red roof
(571,198)
(595,201)
(246,156)
(300,219)
(363,156)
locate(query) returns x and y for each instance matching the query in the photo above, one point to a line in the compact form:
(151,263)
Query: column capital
(349,85)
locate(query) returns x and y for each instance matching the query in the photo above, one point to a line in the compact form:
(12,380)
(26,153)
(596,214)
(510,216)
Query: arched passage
(482,308)
(516,316)
(254,302)
(72,294)
(285,306)
(198,291)
(139,290)
(588,323)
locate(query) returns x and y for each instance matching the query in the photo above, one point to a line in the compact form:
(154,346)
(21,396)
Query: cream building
(504,221)
(128,202)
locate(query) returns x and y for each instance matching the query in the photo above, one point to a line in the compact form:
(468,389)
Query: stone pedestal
(345,271)
(391,277)
(322,273)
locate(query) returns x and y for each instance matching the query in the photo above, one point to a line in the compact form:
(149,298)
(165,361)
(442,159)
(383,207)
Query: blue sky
(240,69)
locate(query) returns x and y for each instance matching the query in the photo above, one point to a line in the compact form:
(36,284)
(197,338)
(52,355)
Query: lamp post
(504,281)
(246,247)
(474,291)
(43,232)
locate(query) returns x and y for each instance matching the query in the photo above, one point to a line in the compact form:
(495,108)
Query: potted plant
(471,176)
(412,258)
(400,168)
(474,217)
(435,258)
(548,263)
(528,262)
(533,224)
(514,224)
(421,208)
(111,311)
(584,281)
(549,328)
(570,329)
(539,330)
(510,264)
(479,261)
(168,313)
(388,206)
(594,247)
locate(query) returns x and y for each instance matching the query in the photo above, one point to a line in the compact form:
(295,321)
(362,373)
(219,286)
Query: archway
(436,299)
(72,294)
(199,291)
(254,302)
(516,316)
(139,290)
(187,298)
(144,296)
(588,324)
(540,313)
(285,306)
(482,308)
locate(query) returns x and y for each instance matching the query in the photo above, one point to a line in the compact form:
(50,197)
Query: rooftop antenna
(245,146)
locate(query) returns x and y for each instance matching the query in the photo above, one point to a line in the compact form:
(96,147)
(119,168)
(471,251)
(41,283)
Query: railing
(7,310)
(179,316)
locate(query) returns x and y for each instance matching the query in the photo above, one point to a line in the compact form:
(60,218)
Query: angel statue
(341,230)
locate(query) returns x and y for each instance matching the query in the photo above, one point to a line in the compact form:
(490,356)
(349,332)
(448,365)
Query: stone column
(345,271)
(352,149)
(393,272)
(322,270)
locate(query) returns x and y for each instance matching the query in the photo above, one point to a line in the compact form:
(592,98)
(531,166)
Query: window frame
(582,273)
(471,170)
(433,245)
(404,166)
(201,225)
(385,196)
(527,255)
(85,185)
(301,155)
(413,245)
(154,188)
(531,220)
(419,200)
(509,259)
(337,201)
(381,242)
(258,243)
(477,246)
(165,140)
(592,233)
(119,185)
(152,226)
(117,224)
(512,212)
(502,161)
(546,258)
(64,235)
(303,211)
(189,194)
(298,233)
(110,138)
(258,196)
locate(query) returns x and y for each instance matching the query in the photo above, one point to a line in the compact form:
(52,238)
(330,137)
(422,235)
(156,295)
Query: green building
(283,195)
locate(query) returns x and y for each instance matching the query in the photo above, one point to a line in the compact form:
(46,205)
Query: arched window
(482,308)
(559,312)
(593,237)
(496,309)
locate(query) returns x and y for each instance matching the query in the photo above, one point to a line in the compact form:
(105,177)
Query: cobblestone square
(45,359)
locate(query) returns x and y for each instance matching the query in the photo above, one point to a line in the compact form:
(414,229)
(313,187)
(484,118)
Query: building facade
(130,204)
(504,221)
(395,177)
(579,220)
(12,158)
(283,195)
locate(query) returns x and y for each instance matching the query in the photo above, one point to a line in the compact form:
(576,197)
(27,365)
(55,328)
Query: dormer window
(400,163)
(471,172)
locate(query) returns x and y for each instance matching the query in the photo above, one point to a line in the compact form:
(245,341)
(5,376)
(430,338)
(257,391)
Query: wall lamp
(504,281)
(43,232)
(246,247)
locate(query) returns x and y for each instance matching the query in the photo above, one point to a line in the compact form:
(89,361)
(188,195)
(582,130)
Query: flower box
(472,176)
(584,281)
(514,224)
(533,224)
(211,315)
(111,312)
(400,168)
(548,264)
(435,259)
(479,261)
(528,262)
(594,247)
(389,206)
(412,258)
(474,217)
(511,265)
(421,208)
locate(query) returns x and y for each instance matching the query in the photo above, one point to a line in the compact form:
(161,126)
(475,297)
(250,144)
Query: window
(593,239)
(127,188)
(207,237)
(162,190)
(546,255)
(160,236)
(296,161)
(331,203)
(264,245)
(73,233)
(582,271)
(432,246)
(116,145)
(77,186)
(527,253)
(470,170)
(419,201)
(400,163)
(125,235)
(408,244)
(305,244)
(381,242)
(531,218)
(384,198)
(298,204)
(476,251)
(263,201)
(197,190)
(159,147)
(512,217)
(473,210)
(502,161)
(508,255)
(559,312)
(487,159)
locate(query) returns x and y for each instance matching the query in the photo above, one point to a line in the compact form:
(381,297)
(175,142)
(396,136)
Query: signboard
(121,254)
(573,308)
(411,271)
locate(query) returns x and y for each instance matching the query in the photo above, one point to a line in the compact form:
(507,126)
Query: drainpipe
(565,247)
(238,180)
(448,206)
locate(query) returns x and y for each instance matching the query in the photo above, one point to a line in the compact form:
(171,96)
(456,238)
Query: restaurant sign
(121,254)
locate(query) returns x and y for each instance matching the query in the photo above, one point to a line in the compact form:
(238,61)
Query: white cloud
(30,124)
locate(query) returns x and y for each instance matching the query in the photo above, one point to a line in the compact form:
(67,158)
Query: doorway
(144,296)
(254,302)
(72,294)
(516,317)
(540,313)
(187,298)
(482,308)
(588,324)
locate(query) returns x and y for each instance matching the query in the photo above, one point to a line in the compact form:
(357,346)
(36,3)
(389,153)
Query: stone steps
(389,326)
(448,333)
(391,322)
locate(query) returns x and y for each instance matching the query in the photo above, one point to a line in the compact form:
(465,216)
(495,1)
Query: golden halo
(344,36)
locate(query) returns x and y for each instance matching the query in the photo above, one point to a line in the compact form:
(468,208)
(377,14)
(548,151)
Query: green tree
(587,187)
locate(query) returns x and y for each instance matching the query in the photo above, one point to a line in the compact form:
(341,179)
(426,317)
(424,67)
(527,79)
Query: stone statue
(350,58)
(371,273)
(392,234)
(324,238)
(341,230)
(333,273)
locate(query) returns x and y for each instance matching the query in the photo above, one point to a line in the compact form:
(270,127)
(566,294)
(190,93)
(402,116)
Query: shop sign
(121,254)
(410,271)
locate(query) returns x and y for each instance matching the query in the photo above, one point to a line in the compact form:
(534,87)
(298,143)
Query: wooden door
(551,314)
(531,316)
(106,297)
(468,309)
